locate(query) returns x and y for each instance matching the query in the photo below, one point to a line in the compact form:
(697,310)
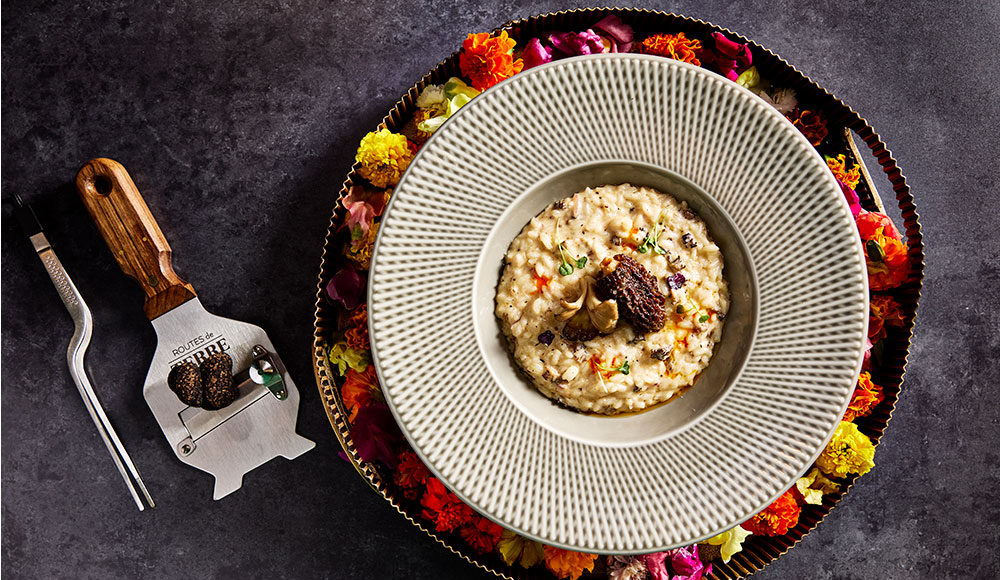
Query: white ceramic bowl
(780,378)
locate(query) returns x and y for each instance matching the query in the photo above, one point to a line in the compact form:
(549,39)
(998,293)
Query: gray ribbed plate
(694,481)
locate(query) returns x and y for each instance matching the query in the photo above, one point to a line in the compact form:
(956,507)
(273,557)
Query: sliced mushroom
(604,314)
(575,306)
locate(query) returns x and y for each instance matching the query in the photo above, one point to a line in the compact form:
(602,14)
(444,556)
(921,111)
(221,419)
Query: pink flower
(360,216)
(727,57)
(687,565)
(616,34)
(656,565)
(867,363)
(346,287)
(684,562)
(853,201)
(565,44)
(535,54)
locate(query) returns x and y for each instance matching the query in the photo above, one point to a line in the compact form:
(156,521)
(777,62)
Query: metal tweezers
(83,320)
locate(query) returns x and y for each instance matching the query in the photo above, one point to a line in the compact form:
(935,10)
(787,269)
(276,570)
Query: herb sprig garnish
(651,242)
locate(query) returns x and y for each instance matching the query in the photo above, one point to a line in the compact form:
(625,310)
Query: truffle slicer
(260,424)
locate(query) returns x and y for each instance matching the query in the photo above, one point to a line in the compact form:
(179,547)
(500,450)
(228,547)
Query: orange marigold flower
(411,474)
(838,165)
(883,310)
(359,389)
(486,60)
(777,518)
(357,335)
(482,534)
(675,46)
(812,124)
(567,563)
(867,395)
(443,507)
(885,254)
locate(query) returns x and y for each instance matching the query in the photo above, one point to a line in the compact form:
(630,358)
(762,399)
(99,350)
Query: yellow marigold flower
(567,563)
(383,156)
(730,542)
(815,485)
(850,451)
(849,177)
(516,548)
(345,357)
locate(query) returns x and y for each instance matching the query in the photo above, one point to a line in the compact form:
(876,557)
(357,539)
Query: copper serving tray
(757,551)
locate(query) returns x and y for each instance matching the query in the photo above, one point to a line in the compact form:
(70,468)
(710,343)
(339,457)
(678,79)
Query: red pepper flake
(541,282)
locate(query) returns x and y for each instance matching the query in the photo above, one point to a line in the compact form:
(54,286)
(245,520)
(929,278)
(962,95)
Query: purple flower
(376,434)
(676,281)
(616,34)
(346,287)
(546,337)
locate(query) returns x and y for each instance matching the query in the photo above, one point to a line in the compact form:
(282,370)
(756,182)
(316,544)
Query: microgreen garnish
(650,242)
(567,263)
(703,318)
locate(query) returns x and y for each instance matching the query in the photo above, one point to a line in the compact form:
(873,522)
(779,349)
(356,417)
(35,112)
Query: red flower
(883,311)
(812,124)
(443,507)
(482,534)
(777,518)
(376,434)
(411,474)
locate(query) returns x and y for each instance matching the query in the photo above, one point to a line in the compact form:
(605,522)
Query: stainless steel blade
(230,442)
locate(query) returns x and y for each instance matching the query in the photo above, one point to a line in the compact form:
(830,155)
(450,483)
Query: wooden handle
(131,233)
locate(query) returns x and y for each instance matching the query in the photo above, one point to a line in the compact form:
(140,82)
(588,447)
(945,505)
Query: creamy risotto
(613,299)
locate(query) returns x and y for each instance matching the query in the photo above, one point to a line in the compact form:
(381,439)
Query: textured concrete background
(238,121)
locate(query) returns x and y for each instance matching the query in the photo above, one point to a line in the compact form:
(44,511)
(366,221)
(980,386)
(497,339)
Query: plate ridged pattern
(797,379)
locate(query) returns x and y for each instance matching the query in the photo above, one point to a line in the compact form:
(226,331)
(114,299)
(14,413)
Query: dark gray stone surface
(238,121)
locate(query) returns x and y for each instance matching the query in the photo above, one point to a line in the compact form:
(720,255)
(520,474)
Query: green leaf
(581,262)
(703,318)
(566,269)
(625,368)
